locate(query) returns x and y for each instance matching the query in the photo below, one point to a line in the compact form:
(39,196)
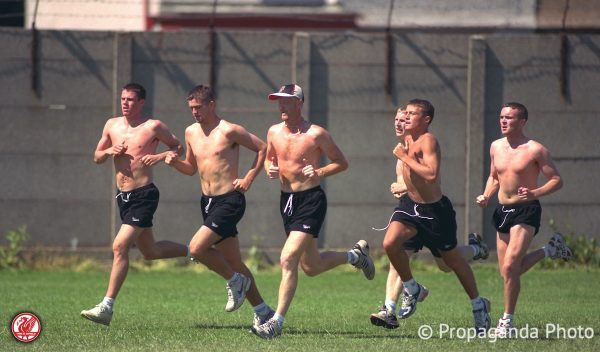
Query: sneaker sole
(375,320)
(94,320)
(253,330)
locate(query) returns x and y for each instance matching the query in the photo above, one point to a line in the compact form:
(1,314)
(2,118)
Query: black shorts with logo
(222,213)
(137,206)
(303,211)
(507,216)
(435,224)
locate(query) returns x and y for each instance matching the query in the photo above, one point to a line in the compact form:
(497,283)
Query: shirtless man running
(131,141)
(476,249)
(516,162)
(425,215)
(213,150)
(294,149)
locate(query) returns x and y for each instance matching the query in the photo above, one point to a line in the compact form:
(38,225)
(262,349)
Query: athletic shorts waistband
(306,191)
(522,204)
(143,188)
(224,195)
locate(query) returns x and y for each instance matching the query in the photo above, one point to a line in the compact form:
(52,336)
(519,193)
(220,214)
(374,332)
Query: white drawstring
(123,199)
(289,205)
(401,211)
(506,216)
(207,205)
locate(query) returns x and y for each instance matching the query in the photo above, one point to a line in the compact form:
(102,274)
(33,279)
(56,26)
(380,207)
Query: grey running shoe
(101,314)
(384,318)
(482,319)
(361,248)
(476,240)
(260,320)
(561,250)
(268,330)
(409,302)
(236,292)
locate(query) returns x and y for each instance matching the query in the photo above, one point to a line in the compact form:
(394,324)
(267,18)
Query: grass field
(181,310)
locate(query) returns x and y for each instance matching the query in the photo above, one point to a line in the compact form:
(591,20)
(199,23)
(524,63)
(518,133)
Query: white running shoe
(361,248)
(505,329)
(268,330)
(475,239)
(236,292)
(561,250)
(260,320)
(101,314)
(409,302)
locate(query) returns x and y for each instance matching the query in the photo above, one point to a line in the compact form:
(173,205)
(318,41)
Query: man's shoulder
(152,122)
(276,127)
(498,142)
(426,138)
(114,119)
(113,122)
(193,127)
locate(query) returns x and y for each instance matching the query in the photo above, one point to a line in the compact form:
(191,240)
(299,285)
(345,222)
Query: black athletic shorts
(435,224)
(137,206)
(528,213)
(222,213)
(303,211)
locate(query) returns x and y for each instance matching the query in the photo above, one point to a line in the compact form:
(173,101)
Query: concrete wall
(48,134)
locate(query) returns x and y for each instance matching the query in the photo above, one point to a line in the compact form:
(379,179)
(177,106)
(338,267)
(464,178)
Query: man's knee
(196,251)
(510,269)
(392,244)
(288,261)
(120,249)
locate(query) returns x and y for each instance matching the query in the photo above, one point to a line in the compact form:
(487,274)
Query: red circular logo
(26,327)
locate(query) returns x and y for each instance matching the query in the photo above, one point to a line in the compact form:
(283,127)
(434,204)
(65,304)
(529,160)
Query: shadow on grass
(221,326)
(385,334)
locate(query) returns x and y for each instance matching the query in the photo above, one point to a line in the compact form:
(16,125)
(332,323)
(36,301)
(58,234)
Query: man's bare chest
(288,147)
(212,146)
(513,161)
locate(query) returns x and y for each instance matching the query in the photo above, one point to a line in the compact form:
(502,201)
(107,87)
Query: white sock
(279,318)
(549,250)
(411,286)
(477,303)
(476,250)
(507,316)
(261,309)
(188,255)
(352,257)
(390,305)
(108,302)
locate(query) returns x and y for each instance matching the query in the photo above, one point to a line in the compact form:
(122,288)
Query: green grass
(181,310)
